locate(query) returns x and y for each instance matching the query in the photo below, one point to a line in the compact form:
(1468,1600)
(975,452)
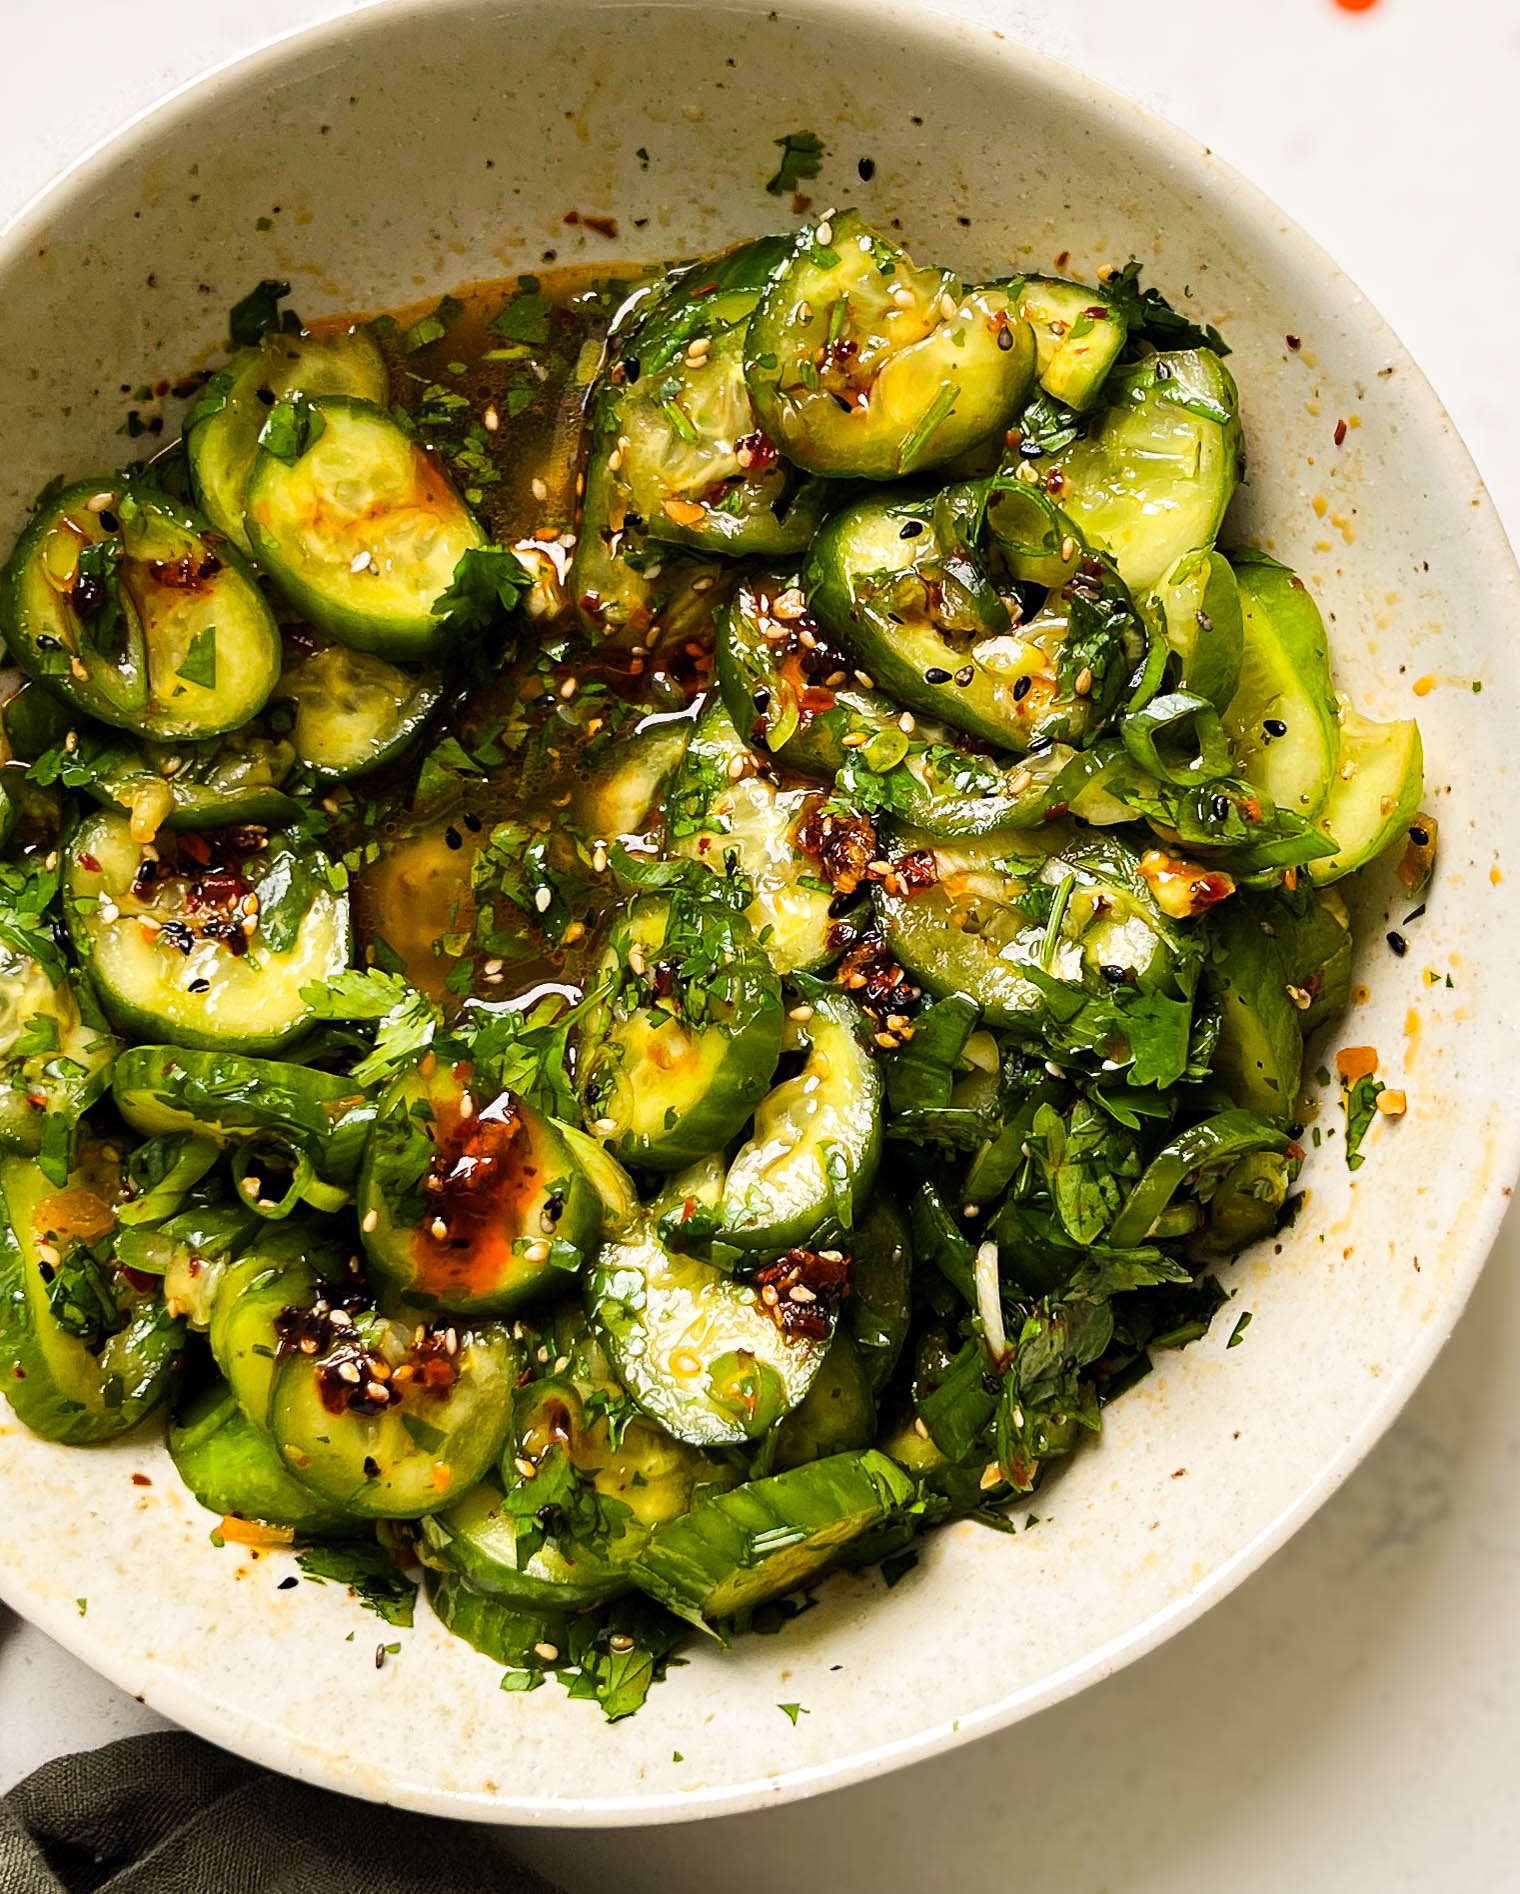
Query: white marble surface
(1349,1718)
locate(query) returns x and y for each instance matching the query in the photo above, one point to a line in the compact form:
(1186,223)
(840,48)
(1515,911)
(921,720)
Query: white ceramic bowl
(411,147)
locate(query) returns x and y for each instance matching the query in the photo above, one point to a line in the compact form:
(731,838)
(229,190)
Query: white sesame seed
(802,1014)
(492,420)
(540,490)
(537,1252)
(1068,550)
(492,966)
(604,1127)
(906,723)
(548,1652)
(359,561)
(98,502)
(439,1228)
(369,1222)
(543,900)
(824,234)
(568,689)
(947,305)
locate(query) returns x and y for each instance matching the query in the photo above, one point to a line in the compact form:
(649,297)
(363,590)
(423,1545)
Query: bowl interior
(411,148)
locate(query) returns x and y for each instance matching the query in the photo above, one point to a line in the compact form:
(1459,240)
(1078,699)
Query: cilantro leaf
(433,326)
(1151,318)
(526,317)
(1360,1104)
(487,583)
(199,666)
(293,426)
(370,1574)
(405,1020)
(801,157)
(250,320)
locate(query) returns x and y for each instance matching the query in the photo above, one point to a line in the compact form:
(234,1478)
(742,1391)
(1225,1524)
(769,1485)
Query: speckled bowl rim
(1199,169)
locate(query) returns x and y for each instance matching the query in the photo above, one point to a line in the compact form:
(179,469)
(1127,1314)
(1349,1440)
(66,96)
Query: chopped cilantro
(293,426)
(801,157)
(488,581)
(370,1574)
(199,664)
(794,1710)
(1360,1104)
(251,319)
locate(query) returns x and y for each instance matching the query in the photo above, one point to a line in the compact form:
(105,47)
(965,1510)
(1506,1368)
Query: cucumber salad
(654,929)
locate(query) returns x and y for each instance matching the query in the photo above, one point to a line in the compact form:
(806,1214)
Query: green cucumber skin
(400,635)
(389,1246)
(1284,676)
(479,1545)
(506,1634)
(257,679)
(703,1567)
(231,1468)
(221,1095)
(148,1349)
(332,761)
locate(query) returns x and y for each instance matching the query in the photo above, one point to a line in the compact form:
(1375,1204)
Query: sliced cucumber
(1259,1056)
(227,782)
(1078,335)
(1152,480)
(395,1448)
(698,1350)
(55,1050)
(1247,1202)
(84,1353)
(985,921)
(1282,722)
(225,1097)
(162,934)
(622,796)
(812,1155)
(838,1412)
(880,1304)
(918,615)
(1374,795)
(616,1191)
(127,605)
(281,1270)
(862,364)
(1199,603)
(190,1251)
(714,813)
(360,529)
(223,424)
(739,1549)
(354,712)
(470,1203)
(492,1548)
(232,1469)
(682,1045)
(675,424)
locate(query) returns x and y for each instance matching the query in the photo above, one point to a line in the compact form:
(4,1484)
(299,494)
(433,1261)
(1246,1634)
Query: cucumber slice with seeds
(713,812)
(55,1049)
(230,781)
(739,1549)
(1282,721)
(1153,478)
(126,604)
(84,1353)
(838,1412)
(470,1203)
(861,364)
(697,1350)
(354,712)
(1199,603)
(163,937)
(1374,796)
(1078,336)
(222,426)
(812,1155)
(681,1049)
(361,530)
(395,1448)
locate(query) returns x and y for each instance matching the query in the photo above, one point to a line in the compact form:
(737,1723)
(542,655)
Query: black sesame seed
(1295,1131)
(762,701)
(867,169)
(1115,976)
(991,1384)
(911,530)
(200,986)
(964,675)
(840,906)
(1275,727)
(286,1583)
(371,1468)
(1005,339)
(46,643)
(1399,945)
(452,837)
(934,675)
(1021,687)
(630,368)
(1221,807)
(473,824)
(266,395)
(110,523)
(1420,837)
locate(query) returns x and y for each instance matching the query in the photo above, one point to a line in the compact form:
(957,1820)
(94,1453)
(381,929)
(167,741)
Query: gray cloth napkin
(168,1814)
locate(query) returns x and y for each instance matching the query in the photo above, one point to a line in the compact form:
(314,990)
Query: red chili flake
(1063,259)
(805,1287)
(843,845)
(1055,481)
(140,1280)
(756,452)
(800,202)
(916,871)
(1340,433)
(186,574)
(89,864)
(1294,342)
(141,1479)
